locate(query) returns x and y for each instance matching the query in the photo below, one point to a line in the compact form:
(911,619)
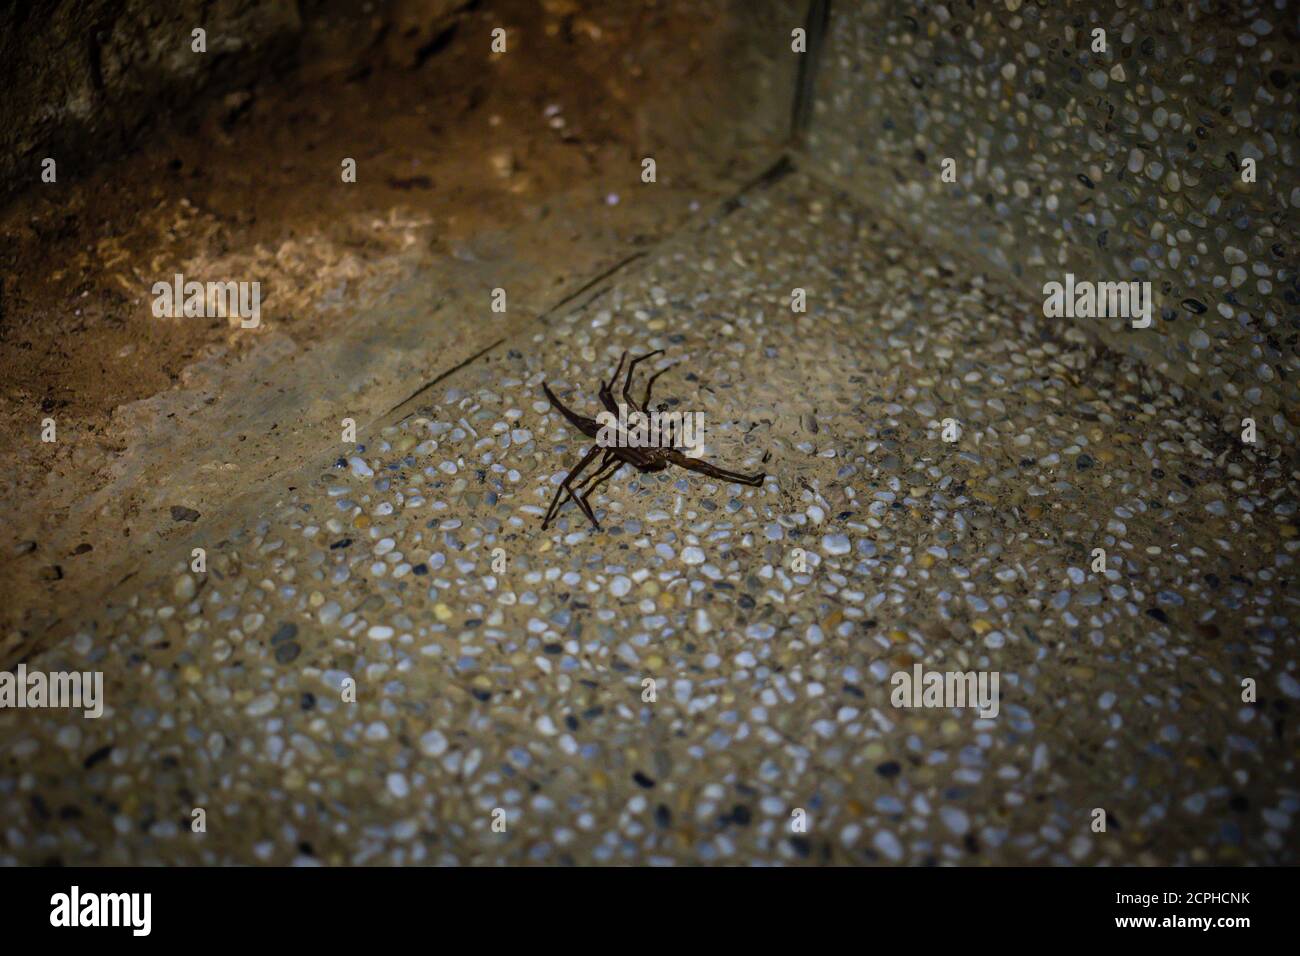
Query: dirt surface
(474,171)
(446,151)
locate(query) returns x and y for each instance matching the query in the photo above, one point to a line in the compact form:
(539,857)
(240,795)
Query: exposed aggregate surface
(351,681)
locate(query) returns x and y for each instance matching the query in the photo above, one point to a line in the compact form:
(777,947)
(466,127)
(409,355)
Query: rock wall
(84,81)
(81,79)
(1119,160)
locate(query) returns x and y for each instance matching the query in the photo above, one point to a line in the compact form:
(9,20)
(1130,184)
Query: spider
(645,459)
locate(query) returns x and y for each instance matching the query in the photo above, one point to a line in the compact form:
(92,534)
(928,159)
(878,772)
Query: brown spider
(645,459)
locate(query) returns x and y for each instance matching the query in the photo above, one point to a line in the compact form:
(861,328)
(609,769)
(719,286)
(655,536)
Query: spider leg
(621,359)
(581,502)
(606,388)
(645,402)
(583,425)
(581,499)
(627,384)
(613,464)
(565,486)
(609,455)
(713,471)
(679,431)
(607,399)
(666,437)
(578,487)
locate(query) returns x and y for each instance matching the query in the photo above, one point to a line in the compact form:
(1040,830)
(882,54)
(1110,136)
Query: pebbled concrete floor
(353,681)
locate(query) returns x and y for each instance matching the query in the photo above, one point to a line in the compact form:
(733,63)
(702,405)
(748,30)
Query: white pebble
(888,844)
(397,785)
(836,544)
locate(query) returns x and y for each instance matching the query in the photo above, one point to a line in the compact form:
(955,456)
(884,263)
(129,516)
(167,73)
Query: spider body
(644,459)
